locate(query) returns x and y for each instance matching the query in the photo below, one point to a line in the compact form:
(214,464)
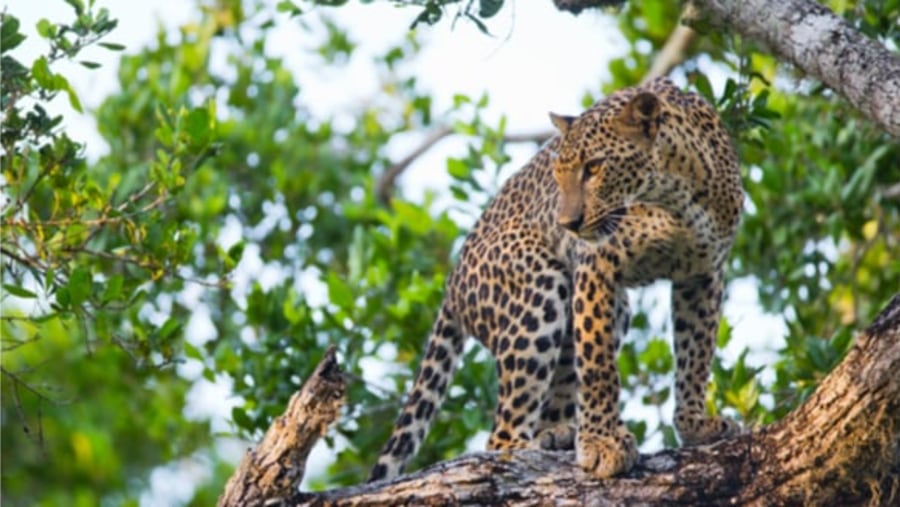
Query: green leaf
(78,5)
(294,311)
(701,83)
(63,300)
(430,15)
(192,352)
(45,28)
(639,320)
(488,8)
(197,125)
(236,252)
(724,334)
(19,291)
(657,356)
(9,34)
(458,169)
(61,83)
(339,292)
(40,70)
(240,417)
(112,46)
(79,285)
(113,288)
(169,328)
(460,99)
(459,193)
(290,7)
(90,65)
(480,24)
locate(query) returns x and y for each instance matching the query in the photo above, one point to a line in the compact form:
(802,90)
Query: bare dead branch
(273,469)
(385,188)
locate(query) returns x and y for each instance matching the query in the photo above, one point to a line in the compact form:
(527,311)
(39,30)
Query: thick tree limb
(274,469)
(818,42)
(841,447)
(822,45)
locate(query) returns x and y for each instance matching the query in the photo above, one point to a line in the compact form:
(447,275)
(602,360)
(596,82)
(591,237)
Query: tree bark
(822,45)
(841,447)
(818,42)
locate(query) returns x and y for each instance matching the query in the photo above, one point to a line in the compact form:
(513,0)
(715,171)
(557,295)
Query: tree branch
(822,45)
(674,50)
(817,41)
(387,181)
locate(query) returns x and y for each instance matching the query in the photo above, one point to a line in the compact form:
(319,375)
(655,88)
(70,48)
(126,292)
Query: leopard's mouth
(605,225)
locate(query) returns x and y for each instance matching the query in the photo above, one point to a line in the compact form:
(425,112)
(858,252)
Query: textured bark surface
(822,45)
(273,470)
(841,447)
(818,42)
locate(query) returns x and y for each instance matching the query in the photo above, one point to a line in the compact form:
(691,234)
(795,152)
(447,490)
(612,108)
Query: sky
(538,60)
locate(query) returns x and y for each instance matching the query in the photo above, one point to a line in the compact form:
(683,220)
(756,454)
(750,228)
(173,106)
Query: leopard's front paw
(560,437)
(701,429)
(606,456)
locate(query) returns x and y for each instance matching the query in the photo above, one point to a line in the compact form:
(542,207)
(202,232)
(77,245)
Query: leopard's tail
(435,373)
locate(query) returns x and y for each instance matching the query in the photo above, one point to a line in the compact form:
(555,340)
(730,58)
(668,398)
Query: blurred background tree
(230,234)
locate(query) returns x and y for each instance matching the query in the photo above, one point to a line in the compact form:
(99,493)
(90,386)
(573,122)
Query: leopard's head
(605,159)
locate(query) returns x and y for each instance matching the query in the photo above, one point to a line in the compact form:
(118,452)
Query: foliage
(83,246)
(225,204)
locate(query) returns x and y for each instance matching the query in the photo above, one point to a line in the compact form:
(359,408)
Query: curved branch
(387,181)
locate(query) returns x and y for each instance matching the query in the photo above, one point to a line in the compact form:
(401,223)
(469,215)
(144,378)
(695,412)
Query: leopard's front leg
(603,445)
(696,309)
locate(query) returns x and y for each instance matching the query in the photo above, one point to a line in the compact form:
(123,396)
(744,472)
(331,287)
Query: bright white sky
(539,60)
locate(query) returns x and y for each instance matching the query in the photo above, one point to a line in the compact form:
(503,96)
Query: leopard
(643,186)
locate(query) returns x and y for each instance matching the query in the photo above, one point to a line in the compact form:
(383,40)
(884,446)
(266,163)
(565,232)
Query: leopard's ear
(561,122)
(639,119)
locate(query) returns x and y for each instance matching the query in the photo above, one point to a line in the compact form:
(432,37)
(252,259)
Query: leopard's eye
(592,167)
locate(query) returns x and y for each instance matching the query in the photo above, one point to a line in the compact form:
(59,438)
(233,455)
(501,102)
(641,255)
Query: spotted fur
(642,186)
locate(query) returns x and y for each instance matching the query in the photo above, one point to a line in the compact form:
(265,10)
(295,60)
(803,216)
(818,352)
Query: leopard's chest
(650,243)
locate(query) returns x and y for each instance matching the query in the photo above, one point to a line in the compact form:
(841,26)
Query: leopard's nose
(571,223)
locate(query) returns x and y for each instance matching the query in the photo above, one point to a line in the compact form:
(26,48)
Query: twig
(25,261)
(388,179)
